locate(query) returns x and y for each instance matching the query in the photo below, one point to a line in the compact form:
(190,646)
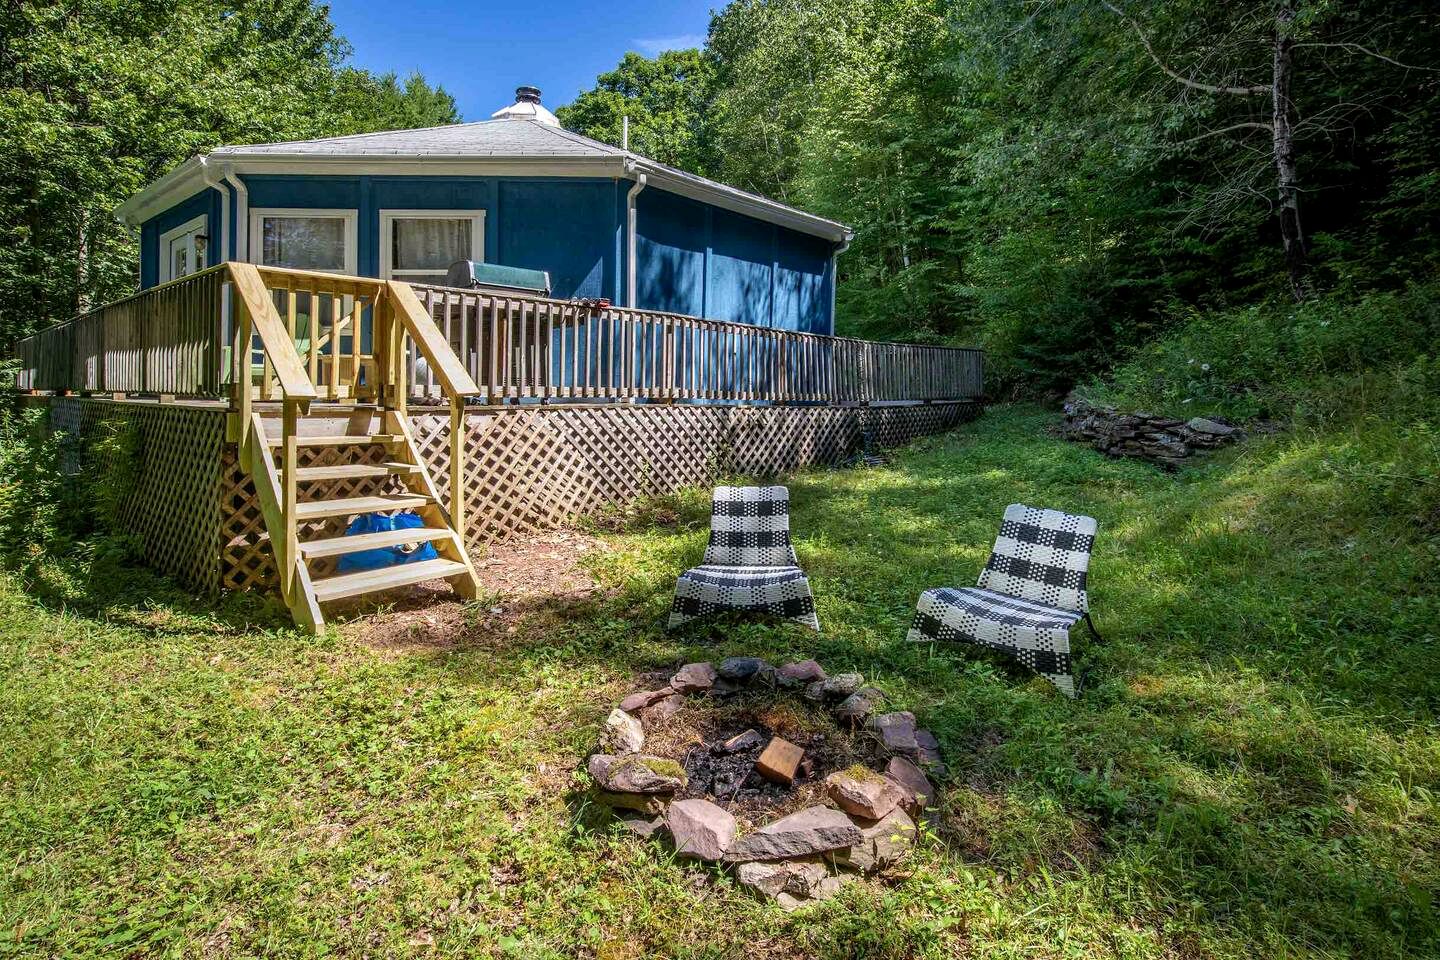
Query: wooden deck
(295,401)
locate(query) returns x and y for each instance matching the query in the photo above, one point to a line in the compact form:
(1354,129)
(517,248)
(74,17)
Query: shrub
(32,486)
(1283,360)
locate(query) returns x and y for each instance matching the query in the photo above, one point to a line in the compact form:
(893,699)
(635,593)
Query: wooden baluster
(313,333)
(548,386)
(357,318)
(335,327)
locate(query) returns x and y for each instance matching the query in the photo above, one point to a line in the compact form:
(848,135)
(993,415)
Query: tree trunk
(1292,236)
(82,263)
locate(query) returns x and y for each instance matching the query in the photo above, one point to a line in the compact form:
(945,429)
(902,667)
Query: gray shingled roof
(484,138)
(509,140)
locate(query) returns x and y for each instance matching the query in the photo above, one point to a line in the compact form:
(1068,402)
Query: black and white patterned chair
(749,564)
(1031,592)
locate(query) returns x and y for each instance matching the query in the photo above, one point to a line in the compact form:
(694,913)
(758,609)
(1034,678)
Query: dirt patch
(518,578)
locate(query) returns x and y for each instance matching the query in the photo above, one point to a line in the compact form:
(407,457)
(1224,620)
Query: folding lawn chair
(1031,592)
(749,564)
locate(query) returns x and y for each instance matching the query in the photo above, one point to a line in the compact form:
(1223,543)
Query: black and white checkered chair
(1031,592)
(749,564)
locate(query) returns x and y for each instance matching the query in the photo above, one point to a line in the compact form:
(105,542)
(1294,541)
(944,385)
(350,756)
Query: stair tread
(345,471)
(386,578)
(336,546)
(336,439)
(346,506)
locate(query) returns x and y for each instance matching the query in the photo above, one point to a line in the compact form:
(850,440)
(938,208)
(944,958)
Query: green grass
(1252,770)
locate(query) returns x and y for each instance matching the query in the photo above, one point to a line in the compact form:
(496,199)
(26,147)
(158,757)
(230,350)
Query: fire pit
(789,776)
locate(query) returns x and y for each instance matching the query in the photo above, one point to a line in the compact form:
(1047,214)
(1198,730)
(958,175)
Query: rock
(643,699)
(623,733)
(858,707)
(740,669)
(1213,427)
(739,742)
(642,825)
(723,688)
(693,677)
(637,773)
(661,710)
(790,883)
(646,803)
(800,673)
(862,792)
(881,843)
(598,765)
(811,831)
(701,830)
(837,687)
(919,791)
(927,751)
(897,732)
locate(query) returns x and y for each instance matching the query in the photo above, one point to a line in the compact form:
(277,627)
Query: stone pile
(1163,441)
(796,859)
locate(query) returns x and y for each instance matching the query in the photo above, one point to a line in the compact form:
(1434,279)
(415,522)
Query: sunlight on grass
(1252,770)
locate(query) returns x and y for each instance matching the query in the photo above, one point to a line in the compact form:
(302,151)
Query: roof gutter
(213,181)
(835,274)
(242,214)
(630,220)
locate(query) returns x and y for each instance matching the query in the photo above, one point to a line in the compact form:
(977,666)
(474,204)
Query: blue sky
(481,51)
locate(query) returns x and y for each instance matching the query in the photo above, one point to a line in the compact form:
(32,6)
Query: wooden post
(457,464)
(244,333)
(287,557)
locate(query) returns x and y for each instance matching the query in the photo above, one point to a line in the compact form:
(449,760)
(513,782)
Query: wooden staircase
(314,470)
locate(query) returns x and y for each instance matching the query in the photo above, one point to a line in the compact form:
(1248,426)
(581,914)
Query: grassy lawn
(1252,771)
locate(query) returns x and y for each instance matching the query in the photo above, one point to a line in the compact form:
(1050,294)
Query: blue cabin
(517,190)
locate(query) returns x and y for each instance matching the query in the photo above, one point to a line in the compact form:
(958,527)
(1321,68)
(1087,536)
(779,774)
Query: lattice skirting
(529,469)
(171,484)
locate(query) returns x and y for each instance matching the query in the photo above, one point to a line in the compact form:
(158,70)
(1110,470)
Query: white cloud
(654,46)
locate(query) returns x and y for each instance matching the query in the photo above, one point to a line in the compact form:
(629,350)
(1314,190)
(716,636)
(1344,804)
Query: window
(182,250)
(322,240)
(419,245)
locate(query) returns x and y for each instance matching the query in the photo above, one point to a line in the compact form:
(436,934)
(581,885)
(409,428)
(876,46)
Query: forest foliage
(103,96)
(1062,181)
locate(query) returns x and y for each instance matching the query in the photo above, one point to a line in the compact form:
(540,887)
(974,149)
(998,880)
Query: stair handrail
(275,339)
(431,342)
(416,322)
(258,315)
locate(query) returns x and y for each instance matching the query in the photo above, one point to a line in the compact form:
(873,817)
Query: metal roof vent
(526,107)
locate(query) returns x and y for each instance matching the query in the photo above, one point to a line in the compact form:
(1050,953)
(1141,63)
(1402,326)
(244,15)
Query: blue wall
(206,202)
(709,262)
(692,258)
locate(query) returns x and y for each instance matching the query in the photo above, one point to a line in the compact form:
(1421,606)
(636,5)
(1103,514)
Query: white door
(182,250)
(418,246)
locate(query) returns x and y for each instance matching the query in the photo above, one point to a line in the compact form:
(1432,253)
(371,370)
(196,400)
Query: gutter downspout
(835,275)
(213,181)
(630,219)
(242,215)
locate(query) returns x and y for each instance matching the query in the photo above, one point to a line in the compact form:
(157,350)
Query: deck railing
(204,337)
(518,346)
(166,340)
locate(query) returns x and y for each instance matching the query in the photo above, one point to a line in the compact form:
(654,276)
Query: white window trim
(167,262)
(387,235)
(352,231)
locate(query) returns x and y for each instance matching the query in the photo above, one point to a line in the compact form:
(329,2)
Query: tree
(103,96)
(1281,29)
(667,99)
